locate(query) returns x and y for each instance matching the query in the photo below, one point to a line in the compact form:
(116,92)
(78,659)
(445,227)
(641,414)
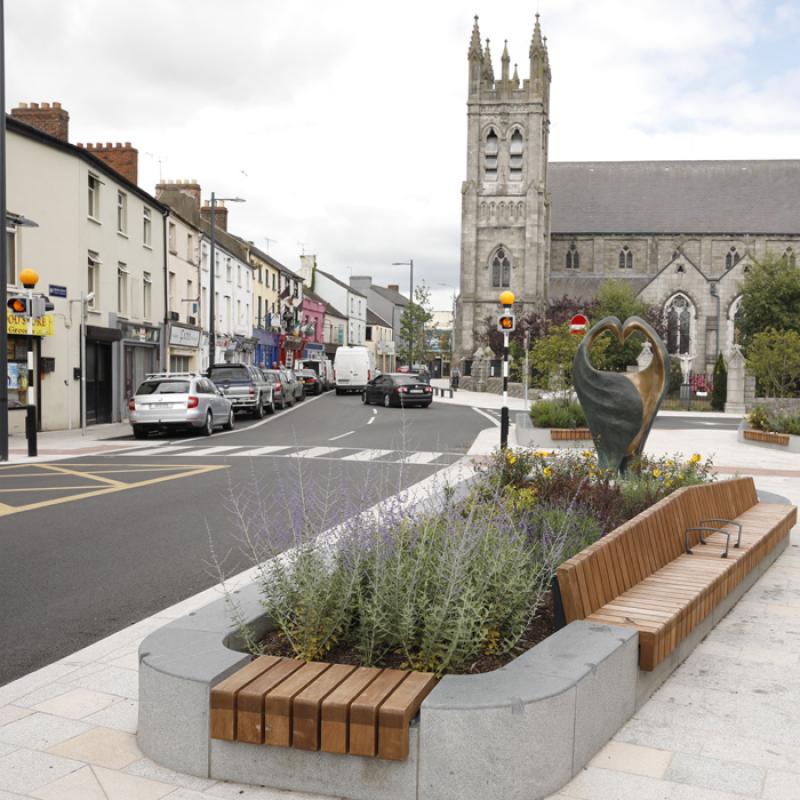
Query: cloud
(350,118)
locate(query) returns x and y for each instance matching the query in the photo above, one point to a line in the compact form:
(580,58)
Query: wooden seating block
(250,703)
(307,718)
(336,709)
(279,701)
(396,714)
(224,695)
(639,575)
(364,712)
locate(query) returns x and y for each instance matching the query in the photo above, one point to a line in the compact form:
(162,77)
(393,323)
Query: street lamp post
(212,310)
(506,325)
(410,265)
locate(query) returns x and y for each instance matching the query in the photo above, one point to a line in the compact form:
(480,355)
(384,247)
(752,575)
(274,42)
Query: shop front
(140,357)
(184,348)
(19,342)
(267,349)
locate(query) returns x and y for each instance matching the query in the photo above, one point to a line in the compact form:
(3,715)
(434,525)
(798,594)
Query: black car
(310,381)
(396,389)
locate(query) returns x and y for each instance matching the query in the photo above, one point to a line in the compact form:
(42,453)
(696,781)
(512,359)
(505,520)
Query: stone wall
(495,386)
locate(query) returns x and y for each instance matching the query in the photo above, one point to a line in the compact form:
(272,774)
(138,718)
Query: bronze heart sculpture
(620,406)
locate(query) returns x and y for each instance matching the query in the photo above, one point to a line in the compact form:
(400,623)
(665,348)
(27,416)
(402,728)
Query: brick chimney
(220,214)
(122,158)
(190,188)
(394,287)
(46,117)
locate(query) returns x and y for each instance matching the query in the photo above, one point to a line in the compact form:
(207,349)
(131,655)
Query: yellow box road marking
(49,488)
(89,475)
(197,469)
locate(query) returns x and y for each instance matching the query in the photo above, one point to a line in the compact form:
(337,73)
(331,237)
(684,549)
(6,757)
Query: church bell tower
(505,223)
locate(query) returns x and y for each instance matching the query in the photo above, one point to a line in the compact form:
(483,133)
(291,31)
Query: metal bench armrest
(726,522)
(705,529)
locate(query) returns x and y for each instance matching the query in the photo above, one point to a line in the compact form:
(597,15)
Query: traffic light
(20,305)
(40,306)
(506,323)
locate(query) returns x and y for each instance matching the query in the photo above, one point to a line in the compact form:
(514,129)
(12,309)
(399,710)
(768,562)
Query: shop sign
(140,333)
(57,291)
(42,326)
(184,337)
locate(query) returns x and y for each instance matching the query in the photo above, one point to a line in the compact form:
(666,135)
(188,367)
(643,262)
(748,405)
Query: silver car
(178,401)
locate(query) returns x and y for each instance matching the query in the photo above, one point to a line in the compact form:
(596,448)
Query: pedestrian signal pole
(505,324)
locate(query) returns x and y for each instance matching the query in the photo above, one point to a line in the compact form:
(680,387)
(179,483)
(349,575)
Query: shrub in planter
(758,419)
(556,414)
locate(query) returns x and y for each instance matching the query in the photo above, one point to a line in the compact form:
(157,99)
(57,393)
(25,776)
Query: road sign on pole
(578,324)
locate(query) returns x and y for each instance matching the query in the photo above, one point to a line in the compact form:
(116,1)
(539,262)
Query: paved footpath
(724,726)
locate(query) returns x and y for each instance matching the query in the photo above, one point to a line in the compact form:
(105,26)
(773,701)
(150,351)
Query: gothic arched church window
(573,258)
(789,257)
(677,311)
(732,258)
(490,151)
(501,269)
(625,258)
(515,156)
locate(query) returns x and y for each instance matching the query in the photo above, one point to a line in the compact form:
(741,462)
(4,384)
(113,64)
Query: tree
(774,358)
(618,299)
(719,393)
(552,358)
(770,298)
(413,346)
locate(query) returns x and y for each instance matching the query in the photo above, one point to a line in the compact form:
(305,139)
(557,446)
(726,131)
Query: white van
(353,368)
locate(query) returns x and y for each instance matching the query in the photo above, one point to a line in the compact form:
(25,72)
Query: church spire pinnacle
(488,69)
(505,60)
(475,43)
(515,78)
(475,58)
(540,67)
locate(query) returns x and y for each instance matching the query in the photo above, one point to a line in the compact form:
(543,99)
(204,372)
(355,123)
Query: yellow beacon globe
(29,278)
(507,298)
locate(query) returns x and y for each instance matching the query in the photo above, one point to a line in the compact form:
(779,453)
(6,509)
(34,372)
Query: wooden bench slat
(225,693)
(250,704)
(396,714)
(306,725)
(279,701)
(364,712)
(335,711)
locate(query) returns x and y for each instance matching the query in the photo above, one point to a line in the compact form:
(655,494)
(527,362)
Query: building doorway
(98,382)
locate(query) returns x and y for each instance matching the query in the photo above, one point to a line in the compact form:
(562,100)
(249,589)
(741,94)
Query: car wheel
(139,432)
(338,391)
(364,399)
(258,412)
(208,427)
(387,401)
(271,408)
(228,426)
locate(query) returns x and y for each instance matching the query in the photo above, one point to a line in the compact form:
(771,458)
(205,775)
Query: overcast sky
(344,124)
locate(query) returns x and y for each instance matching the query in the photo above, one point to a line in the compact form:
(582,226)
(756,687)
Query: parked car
(281,394)
(397,389)
(295,387)
(245,387)
(310,380)
(353,368)
(178,401)
(323,369)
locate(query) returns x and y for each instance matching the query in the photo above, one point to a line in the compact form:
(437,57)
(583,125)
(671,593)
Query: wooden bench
(664,571)
(335,708)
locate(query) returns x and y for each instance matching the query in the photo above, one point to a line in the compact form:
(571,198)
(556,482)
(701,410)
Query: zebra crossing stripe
(314,452)
(156,451)
(214,451)
(367,455)
(265,451)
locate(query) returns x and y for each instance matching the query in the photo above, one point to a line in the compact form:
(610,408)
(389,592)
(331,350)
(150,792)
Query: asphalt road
(74,572)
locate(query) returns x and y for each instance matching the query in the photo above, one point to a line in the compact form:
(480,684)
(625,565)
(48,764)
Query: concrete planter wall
(529,436)
(520,732)
(776,441)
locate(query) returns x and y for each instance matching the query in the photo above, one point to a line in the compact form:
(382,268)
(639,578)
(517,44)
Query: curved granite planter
(775,441)
(521,731)
(527,435)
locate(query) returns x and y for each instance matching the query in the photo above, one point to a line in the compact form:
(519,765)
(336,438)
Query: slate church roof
(702,197)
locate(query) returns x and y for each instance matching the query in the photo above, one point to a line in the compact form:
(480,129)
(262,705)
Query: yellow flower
(587,454)
(668,483)
(695,458)
(656,473)
(670,462)
(547,472)
(512,460)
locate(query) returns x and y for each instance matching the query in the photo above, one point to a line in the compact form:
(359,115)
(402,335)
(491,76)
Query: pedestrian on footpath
(455,374)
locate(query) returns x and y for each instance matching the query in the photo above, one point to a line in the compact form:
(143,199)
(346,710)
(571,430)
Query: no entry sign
(578,324)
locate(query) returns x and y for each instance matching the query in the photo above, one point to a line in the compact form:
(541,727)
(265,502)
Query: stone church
(681,233)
